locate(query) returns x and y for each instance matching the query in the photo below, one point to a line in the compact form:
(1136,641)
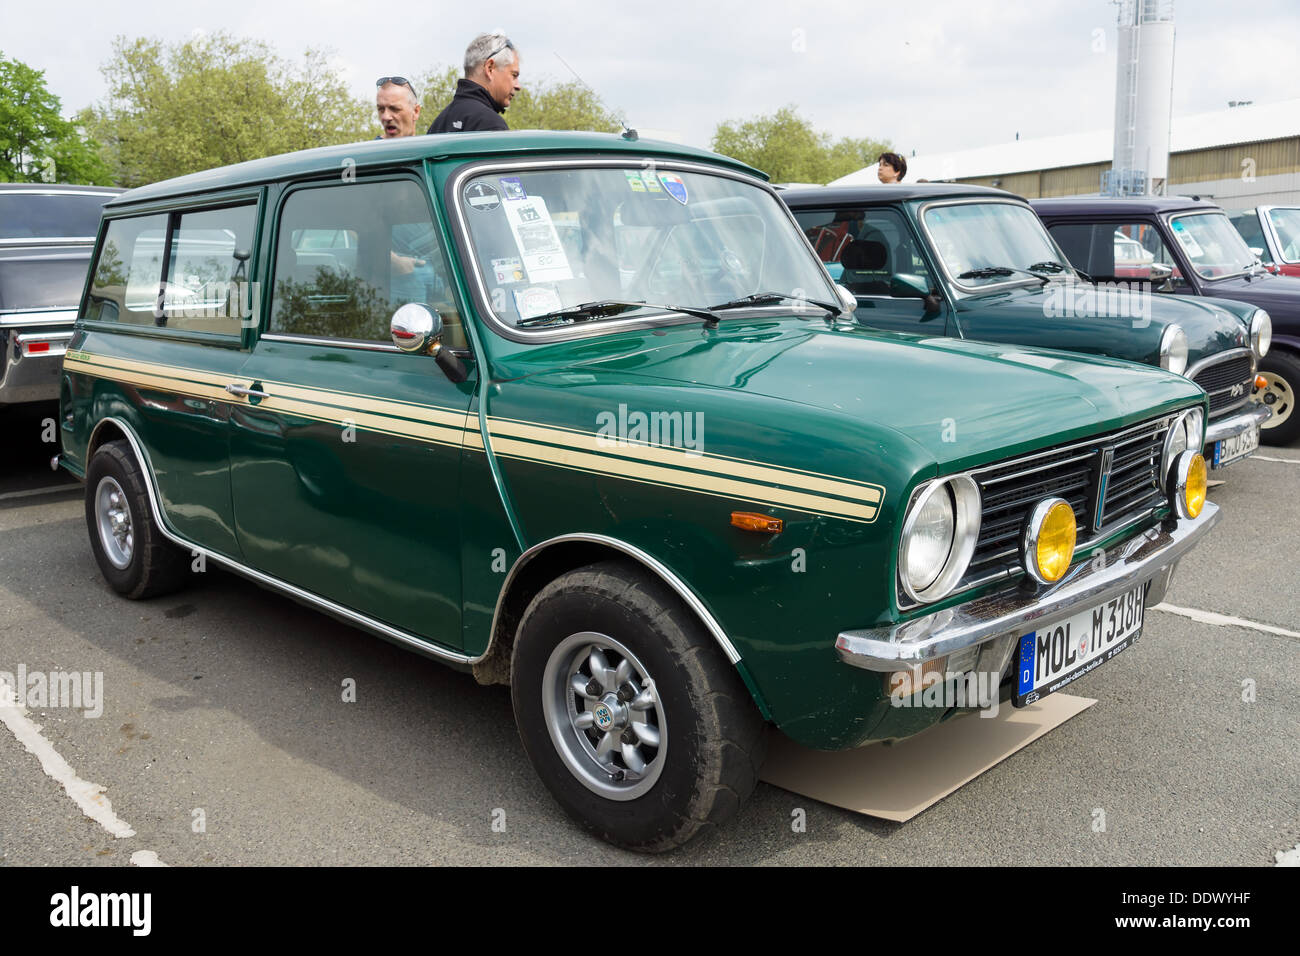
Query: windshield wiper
(603,308)
(1047,265)
(994,272)
(766,298)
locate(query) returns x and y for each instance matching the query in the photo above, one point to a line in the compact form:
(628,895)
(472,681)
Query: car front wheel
(1281,371)
(628,711)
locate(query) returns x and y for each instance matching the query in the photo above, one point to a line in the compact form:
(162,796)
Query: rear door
(345,452)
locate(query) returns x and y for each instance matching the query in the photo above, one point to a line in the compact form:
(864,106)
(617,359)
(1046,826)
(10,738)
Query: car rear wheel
(634,720)
(1281,371)
(134,557)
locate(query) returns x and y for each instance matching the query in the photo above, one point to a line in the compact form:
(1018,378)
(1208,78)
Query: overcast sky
(930,75)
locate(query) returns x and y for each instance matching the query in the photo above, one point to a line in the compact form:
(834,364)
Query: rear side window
(187,271)
(50,216)
(350,255)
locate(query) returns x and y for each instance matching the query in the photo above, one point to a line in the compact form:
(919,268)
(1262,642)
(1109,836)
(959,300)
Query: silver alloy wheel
(114,520)
(1283,395)
(604,716)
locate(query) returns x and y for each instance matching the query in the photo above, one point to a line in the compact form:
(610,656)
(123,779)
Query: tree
(36,143)
(541,104)
(789,149)
(215,100)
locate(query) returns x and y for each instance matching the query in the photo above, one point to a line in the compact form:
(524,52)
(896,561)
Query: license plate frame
(1228,450)
(1111,627)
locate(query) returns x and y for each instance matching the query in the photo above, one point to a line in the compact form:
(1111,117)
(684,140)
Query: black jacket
(471,109)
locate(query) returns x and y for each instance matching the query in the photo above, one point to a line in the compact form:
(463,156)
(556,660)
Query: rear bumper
(1146,559)
(33,347)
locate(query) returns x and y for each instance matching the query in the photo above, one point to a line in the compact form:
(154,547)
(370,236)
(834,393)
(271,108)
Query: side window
(1110,250)
(870,252)
(207,272)
(128,271)
(349,255)
(1247,223)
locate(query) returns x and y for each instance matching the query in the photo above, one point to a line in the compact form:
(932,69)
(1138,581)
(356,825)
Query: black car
(47,232)
(1187,246)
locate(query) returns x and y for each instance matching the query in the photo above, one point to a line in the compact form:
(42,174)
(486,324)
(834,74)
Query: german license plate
(1238,446)
(1059,655)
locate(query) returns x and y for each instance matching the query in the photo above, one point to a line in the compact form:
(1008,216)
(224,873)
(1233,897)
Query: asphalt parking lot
(224,738)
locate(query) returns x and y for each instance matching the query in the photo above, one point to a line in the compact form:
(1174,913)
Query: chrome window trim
(325,340)
(474,275)
(980,200)
(1169,219)
(25,317)
(49,241)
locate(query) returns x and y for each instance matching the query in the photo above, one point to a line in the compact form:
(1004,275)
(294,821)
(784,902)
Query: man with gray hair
(491,81)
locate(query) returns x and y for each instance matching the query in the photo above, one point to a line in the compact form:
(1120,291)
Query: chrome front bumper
(1149,557)
(1252,414)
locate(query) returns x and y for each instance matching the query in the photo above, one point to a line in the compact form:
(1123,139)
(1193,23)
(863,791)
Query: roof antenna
(628,132)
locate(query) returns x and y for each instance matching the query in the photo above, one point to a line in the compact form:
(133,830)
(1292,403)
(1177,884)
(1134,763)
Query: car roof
(879,193)
(1129,206)
(410,149)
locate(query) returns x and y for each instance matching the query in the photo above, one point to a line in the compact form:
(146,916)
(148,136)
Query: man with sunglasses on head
(491,81)
(397,105)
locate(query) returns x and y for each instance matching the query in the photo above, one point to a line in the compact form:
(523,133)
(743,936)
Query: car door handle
(234,389)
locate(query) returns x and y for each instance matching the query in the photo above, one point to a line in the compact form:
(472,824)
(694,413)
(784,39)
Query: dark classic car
(543,406)
(1200,254)
(1273,234)
(46,235)
(976,263)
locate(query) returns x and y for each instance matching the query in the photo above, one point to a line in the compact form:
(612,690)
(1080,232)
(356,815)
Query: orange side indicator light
(752,521)
(1261,381)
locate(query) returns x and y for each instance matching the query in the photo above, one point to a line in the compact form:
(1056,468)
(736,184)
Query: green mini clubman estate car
(586,416)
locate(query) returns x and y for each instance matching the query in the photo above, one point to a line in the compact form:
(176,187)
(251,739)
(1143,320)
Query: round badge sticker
(482,196)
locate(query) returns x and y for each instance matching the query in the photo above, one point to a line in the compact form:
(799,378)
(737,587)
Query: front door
(345,452)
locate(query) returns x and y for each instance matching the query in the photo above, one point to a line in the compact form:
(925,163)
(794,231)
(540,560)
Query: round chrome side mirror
(847,298)
(416,328)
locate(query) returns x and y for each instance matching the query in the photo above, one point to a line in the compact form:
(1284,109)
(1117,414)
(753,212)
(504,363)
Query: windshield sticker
(651,184)
(1187,240)
(507,271)
(537,300)
(538,241)
(634,181)
(482,197)
(512,187)
(675,186)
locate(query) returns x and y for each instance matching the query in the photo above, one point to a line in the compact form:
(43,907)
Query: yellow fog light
(1189,480)
(1048,543)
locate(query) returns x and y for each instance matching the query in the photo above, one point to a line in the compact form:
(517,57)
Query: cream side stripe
(676,457)
(394,426)
(670,476)
(719,458)
(152,368)
(178,386)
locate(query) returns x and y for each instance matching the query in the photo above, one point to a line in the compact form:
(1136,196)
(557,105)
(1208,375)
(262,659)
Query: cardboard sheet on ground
(897,782)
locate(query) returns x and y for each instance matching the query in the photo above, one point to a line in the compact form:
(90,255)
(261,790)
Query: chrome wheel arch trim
(394,634)
(647,561)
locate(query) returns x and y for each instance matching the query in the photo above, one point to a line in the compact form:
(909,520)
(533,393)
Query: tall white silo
(1144,92)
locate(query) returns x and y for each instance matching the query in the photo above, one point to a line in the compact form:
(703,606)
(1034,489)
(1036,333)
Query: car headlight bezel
(1187,433)
(1173,349)
(1261,333)
(963,498)
(1191,470)
(1035,527)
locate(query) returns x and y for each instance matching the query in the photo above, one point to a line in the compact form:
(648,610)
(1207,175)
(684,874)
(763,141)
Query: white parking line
(1287,461)
(89,797)
(1224,620)
(33,492)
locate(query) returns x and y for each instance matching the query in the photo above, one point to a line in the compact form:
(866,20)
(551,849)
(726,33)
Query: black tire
(153,565)
(715,738)
(1284,367)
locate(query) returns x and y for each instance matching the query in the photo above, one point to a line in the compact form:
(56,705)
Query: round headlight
(1261,333)
(1047,544)
(1193,423)
(939,535)
(1173,349)
(1180,438)
(1188,482)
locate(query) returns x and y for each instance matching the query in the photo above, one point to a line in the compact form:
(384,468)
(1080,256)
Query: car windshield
(1286,222)
(994,236)
(50,216)
(551,239)
(1212,246)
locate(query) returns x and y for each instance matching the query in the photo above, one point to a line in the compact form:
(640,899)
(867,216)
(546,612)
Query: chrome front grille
(1129,463)
(1228,379)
